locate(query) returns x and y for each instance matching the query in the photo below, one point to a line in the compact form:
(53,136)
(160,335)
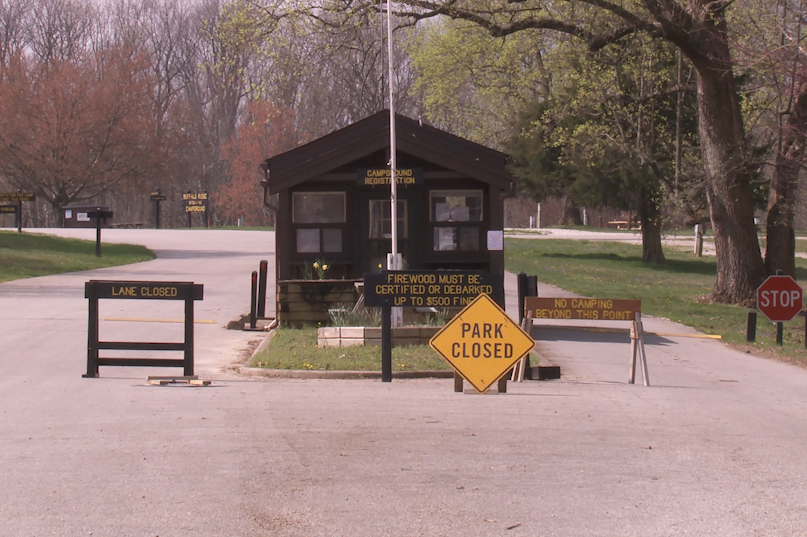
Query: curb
(342,375)
(322,374)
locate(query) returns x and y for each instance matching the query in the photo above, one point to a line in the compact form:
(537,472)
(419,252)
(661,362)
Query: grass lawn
(293,348)
(677,290)
(30,254)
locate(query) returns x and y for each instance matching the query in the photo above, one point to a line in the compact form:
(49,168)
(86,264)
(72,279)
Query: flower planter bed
(301,302)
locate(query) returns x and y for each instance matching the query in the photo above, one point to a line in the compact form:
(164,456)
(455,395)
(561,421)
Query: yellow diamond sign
(482,343)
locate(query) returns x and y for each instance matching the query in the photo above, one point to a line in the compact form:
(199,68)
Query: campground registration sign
(482,343)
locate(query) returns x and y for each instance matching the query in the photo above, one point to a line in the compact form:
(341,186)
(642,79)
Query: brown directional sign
(156,196)
(195,202)
(100,213)
(8,209)
(17,196)
(595,309)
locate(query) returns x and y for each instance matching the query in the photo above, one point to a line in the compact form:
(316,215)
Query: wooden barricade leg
(521,365)
(637,347)
(91,291)
(517,371)
(640,339)
(189,350)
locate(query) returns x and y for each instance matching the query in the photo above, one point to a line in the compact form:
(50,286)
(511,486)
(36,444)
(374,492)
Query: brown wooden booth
(333,202)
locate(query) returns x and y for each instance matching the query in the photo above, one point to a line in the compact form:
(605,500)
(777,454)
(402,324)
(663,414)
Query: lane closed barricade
(95,290)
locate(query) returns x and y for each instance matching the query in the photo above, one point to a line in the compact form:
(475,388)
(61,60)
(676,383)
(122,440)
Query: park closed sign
(482,343)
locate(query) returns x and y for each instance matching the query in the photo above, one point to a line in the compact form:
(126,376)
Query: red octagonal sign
(779,298)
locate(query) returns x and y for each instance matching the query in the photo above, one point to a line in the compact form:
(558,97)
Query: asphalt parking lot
(715,446)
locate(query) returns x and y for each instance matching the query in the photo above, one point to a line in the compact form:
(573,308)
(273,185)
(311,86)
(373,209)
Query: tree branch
(425,9)
(717,6)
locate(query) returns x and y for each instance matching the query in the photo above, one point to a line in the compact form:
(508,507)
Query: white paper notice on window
(460,214)
(495,240)
(445,239)
(442,212)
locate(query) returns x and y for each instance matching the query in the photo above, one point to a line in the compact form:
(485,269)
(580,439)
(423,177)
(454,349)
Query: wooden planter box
(302,302)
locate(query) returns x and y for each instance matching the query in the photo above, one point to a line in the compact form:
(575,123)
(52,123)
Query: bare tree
(60,29)
(13,28)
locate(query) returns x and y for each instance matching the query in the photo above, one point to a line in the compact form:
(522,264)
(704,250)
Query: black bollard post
(264,268)
(532,285)
(253,316)
(751,328)
(521,279)
(98,234)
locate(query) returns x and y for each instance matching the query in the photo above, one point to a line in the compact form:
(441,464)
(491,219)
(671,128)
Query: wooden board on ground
(192,380)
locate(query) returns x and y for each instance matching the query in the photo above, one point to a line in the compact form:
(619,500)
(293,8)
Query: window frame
(319,227)
(300,222)
(456,227)
(403,227)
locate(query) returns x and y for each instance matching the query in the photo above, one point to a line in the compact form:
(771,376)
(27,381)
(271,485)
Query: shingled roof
(371,135)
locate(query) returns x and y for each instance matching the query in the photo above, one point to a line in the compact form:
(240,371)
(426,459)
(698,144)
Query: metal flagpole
(394,258)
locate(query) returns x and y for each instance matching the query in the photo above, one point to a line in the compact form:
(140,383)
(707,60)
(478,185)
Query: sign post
(196,202)
(15,210)
(421,289)
(99,214)
(780,299)
(157,197)
(17,197)
(482,343)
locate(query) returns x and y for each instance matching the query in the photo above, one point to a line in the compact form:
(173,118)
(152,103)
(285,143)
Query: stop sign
(779,298)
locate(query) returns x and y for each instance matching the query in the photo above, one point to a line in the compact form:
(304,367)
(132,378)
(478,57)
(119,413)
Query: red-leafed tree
(72,129)
(265,131)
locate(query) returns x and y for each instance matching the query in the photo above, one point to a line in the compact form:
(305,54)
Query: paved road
(714,447)
(630,237)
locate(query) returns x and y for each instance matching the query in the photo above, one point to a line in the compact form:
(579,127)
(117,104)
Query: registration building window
(456,216)
(319,218)
(381,219)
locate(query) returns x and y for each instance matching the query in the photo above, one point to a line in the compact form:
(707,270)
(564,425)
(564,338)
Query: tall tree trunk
(650,217)
(570,213)
(780,253)
(740,268)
